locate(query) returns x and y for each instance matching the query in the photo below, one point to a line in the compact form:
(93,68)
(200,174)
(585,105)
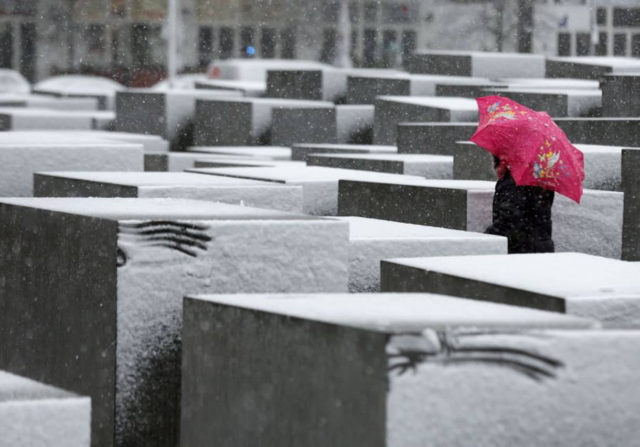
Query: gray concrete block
(433,137)
(313,84)
(18,162)
(348,355)
(300,152)
(392,110)
(471,162)
(556,102)
(476,63)
(593,227)
(304,125)
(469,90)
(165,113)
(20,118)
(372,240)
(621,95)
(42,101)
(34,414)
(175,185)
(243,121)
(607,289)
(631,188)
(274,153)
(593,67)
(602,131)
(105,279)
(429,166)
(319,184)
(103,100)
(253,89)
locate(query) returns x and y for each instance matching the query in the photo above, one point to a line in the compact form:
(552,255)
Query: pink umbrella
(533,147)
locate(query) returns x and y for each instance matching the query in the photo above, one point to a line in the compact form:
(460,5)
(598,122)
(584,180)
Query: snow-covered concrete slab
(242,121)
(104,280)
(372,240)
(601,165)
(19,118)
(300,152)
(166,113)
(180,161)
(326,84)
(594,226)
(553,83)
(421,165)
(365,88)
(589,67)
(613,131)
(175,185)
(281,153)
(631,188)
(40,101)
(255,70)
(621,95)
(476,63)
(253,89)
(319,184)
(574,283)
(343,352)
(34,414)
(433,137)
(312,124)
(150,143)
(556,102)
(392,110)
(18,162)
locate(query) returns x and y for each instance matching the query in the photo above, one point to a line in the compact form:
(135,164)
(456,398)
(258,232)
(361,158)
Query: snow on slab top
(438,124)
(550,91)
(365,228)
(35,112)
(439,102)
(502,55)
(145,209)
(399,313)
(16,388)
(248,151)
(230,84)
(561,83)
(151,178)
(278,102)
(424,158)
(355,147)
(565,275)
(617,63)
(600,149)
(318,174)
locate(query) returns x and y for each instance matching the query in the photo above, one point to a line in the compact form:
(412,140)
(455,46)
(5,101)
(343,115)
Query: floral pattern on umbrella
(531,145)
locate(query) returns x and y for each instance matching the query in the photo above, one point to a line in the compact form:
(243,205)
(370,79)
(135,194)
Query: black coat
(523,215)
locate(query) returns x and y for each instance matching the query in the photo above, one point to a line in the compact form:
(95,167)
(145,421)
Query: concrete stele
(138,258)
(378,335)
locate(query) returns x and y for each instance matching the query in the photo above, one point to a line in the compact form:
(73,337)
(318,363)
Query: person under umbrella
(533,159)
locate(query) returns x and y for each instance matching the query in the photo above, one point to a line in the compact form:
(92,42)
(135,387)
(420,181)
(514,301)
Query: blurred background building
(125,38)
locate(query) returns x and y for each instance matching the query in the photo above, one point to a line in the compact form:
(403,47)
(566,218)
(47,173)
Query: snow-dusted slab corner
(594,226)
(372,240)
(343,351)
(575,283)
(113,273)
(34,414)
(176,185)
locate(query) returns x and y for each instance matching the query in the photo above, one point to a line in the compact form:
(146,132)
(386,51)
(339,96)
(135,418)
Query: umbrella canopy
(533,147)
